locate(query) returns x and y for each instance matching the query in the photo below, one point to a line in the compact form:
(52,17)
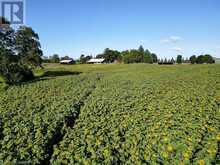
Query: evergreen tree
(142,53)
(179,59)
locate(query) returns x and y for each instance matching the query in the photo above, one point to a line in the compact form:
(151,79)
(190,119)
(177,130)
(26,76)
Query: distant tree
(205,59)
(55,58)
(186,60)
(84,59)
(28,47)
(172,60)
(134,56)
(154,57)
(208,59)
(130,56)
(110,55)
(77,61)
(45,59)
(193,59)
(141,54)
(200,59)
(179,59)
(165,61)
(148,57)
(66,58)
(137,56)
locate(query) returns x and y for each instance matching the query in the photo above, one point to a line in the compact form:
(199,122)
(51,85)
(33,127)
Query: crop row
(33,117)
(168,116)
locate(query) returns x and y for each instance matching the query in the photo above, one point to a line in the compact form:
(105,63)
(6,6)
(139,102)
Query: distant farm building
(217,60)
(70,61)
(96,61)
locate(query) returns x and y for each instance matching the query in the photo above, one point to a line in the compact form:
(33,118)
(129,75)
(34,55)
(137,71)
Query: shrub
(14,73)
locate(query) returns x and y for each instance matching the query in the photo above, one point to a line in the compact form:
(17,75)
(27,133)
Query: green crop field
(113,114)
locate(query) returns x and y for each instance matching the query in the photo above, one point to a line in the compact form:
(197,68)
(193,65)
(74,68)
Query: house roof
(66,61)
(96,60)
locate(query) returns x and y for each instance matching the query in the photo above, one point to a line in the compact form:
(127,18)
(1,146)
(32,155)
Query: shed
(96,61)
(67,61)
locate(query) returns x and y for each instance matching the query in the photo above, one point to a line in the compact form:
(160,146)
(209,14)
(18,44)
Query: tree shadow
(48,75)
(52,74)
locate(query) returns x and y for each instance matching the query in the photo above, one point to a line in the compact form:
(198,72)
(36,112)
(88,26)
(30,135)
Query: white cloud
(177,49)
(171,39)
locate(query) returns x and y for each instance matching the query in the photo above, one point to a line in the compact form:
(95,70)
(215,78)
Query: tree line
(20,52)
(139,55)
(56,59)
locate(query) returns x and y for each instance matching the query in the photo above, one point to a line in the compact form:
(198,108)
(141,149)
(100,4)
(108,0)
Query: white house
(96,61)
(67,61)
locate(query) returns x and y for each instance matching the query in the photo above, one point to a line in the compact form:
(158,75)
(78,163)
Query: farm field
(113,114)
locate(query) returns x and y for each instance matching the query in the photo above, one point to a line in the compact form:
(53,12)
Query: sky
(165,27)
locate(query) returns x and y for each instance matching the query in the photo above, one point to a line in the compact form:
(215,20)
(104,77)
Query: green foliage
(15,73)
(179,59)
(19,52)
(200,59)
(193,59)
(84,59)
(110,55)
(52,59)
(148,115)
(138,56)
(129,56)
(154,57)
(28,47)
(208,59)
(33,116)
(114,114)
(132,56)
(148,57)
(66,58)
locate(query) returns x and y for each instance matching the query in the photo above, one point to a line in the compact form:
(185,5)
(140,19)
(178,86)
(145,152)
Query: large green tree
(17,53)
(28,47)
